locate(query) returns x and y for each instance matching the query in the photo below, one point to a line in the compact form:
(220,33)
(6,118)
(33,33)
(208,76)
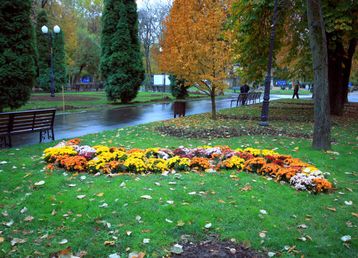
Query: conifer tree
(17,53)
(121,64)
(59,59)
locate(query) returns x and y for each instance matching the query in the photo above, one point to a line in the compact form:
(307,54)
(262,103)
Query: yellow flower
(234,162)
(100,149)
(135,164)
(59,151)
(157,165)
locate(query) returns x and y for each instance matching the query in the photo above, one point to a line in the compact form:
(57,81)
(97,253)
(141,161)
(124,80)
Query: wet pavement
(72,125)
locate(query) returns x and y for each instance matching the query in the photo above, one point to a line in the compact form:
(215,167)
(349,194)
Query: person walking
(244,91)
(296,89)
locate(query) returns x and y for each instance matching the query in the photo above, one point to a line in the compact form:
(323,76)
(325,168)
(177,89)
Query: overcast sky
(140,2)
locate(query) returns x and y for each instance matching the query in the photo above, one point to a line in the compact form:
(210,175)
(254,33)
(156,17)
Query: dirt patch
(59,98)
(228,132)
(215,248)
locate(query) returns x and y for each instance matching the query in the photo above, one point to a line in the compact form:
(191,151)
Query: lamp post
(51,34)
(266,102)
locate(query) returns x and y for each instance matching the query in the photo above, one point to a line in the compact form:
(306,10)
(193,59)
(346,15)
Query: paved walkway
(72,125)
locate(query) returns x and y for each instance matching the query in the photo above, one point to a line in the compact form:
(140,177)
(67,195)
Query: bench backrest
(26,121)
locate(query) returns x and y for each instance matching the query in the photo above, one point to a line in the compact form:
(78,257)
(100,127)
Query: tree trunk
(339,68)
(213,103)
(318,43)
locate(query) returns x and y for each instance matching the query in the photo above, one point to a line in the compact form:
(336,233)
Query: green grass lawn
(234,213)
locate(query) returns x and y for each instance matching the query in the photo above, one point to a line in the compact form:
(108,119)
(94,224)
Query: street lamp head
(56,29)
(44,29)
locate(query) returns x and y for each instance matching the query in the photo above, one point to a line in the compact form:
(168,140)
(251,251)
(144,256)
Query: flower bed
(102,159)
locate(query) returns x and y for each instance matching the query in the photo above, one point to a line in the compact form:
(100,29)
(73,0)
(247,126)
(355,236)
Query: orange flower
(75,141)
(200,163)
(269,168)
(255,164)
(74,163)
(322,184)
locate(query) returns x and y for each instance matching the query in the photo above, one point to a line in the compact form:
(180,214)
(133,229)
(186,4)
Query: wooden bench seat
(14,123)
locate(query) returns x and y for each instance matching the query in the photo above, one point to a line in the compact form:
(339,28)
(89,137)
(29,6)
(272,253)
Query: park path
(72,125)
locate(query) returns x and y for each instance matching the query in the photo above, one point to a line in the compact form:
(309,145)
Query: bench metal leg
(5,141)
(47,134)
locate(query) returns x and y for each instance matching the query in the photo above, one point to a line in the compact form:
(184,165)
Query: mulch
(217,249)
(58,97)
(228,132)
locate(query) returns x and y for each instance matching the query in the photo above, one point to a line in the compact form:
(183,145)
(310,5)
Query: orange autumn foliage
(196,46)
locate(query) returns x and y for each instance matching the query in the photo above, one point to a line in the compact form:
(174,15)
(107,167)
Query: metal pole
(52,76)
(266,102)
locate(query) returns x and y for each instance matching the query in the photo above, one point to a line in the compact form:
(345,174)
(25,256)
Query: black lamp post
(266,102)
(56,30)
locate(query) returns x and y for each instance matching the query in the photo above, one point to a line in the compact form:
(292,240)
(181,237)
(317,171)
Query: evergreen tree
(17,53)
(43,49)
(137,69)
(59,59)
(121,64)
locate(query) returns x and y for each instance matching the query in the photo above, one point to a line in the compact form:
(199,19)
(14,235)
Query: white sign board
(160,79)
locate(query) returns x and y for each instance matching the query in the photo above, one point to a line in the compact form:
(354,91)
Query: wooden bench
(14,123)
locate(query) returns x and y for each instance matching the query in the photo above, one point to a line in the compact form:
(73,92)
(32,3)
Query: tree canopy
(196,47)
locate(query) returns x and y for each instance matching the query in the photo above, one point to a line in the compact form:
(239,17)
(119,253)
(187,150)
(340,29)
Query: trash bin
(179,108)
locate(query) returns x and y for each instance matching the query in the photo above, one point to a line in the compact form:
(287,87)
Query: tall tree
(59,60)
(196,46)
(17,53)
(341,30)
(318,42)
(43,49)
(136,69)
(121,64)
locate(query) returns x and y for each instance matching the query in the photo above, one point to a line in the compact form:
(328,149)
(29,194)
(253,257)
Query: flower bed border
(117,160)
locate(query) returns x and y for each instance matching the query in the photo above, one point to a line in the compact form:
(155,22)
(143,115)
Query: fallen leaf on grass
(114,256)
(128,233)
(63,241)
(332,209)
(109,243)
(170,202)
(29,219)
(136,255)
(23,210)
(100,194)
(177,249)
(40,183)
(104,205)
(2,240)
(303,226)
(262,234)
(147,197)
(15,241)
(9,224)
(81,196)
(180,223)
(207,226)
(146,241)
(246,188)
(264,212)
(346,238)
(168,220)
(355,214)
(349,203)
